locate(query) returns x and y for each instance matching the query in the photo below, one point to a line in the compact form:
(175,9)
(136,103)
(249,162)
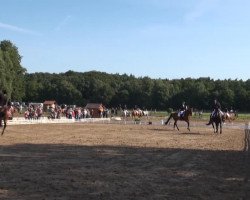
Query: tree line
(113,90)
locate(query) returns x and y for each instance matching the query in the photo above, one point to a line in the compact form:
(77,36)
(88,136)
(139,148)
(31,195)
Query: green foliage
(11,71)
(170,110)
(114,90)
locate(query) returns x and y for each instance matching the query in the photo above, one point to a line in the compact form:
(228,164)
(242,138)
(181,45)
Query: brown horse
(176,117)
(137,113)
(4,115)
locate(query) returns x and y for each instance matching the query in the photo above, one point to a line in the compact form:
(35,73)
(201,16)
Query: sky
(156,38)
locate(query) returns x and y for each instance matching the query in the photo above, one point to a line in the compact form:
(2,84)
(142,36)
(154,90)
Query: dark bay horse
(217,119)
(4,115)
(176,117)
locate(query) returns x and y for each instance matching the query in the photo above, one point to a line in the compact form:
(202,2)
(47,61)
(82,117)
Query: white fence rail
(45,120)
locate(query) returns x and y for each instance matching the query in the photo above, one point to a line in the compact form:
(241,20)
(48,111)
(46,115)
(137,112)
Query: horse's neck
(187,113)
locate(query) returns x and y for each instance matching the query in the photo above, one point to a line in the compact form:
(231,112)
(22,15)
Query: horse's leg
(217,127)
(220,128)
(188,125)
(175,124)
(213,126)
(5,124)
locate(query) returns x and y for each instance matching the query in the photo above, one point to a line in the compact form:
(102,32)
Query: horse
(137,113)
(217,119)
(125,113)
(176,117)
(4,115)
(145,113)
(230,116)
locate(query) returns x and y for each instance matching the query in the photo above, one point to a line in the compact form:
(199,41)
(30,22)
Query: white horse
(145,113)
(125,113)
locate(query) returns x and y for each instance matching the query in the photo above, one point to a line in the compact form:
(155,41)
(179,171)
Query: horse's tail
(168,119)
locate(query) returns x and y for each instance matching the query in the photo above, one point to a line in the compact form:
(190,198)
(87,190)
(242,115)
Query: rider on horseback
(182,109)
(216,110)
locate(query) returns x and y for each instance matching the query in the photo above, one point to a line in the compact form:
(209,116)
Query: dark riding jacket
(217,106)
(3,99)
(183,107)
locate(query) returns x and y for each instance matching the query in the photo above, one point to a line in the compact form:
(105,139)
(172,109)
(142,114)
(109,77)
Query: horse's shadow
(191,133)
(161,130)
(176,131)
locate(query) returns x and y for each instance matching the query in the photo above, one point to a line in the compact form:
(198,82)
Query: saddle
(217,113)
(182,114)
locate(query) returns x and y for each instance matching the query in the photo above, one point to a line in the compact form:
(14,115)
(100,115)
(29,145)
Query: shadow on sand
(46,171)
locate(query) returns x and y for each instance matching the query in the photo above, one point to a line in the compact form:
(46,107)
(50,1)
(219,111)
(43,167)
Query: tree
(11,71)
(160,94)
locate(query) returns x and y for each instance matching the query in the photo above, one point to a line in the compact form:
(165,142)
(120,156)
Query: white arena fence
(45,120)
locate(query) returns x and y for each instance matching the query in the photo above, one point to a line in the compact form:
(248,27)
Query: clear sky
(155,38)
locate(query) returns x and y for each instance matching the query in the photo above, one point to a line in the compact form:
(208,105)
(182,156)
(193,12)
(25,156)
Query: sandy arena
(114,161)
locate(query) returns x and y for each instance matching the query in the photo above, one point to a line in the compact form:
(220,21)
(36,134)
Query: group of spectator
(75,113)
(36,111)
(33,112)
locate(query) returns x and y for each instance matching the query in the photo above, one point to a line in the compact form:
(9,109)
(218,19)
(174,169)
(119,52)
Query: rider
(216,110)
(182,109)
